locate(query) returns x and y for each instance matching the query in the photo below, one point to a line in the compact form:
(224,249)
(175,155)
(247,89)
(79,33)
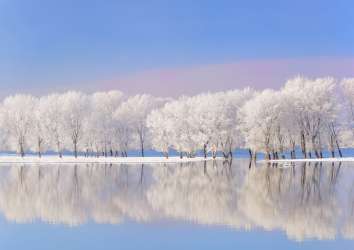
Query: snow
(81,159)
(343,159)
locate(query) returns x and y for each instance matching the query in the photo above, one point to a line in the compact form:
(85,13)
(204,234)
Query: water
(182,206)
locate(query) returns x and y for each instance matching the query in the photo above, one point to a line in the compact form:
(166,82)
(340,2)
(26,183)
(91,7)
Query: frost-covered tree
(258,121)
(4,131)
(315,107)
(182,131)
(206,122)
(229,134)
(161,129)
(303,113)
(123,130)
(139,107)
(17,118)
(347,87)
(38,138)
(75,110)
(99,125)
(53,121)
(214,119)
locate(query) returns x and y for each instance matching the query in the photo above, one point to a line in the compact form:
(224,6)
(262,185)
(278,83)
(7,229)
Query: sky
(173,47)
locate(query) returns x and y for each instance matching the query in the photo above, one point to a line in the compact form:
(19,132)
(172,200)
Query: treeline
(310,115)
(101,124)
(313,115)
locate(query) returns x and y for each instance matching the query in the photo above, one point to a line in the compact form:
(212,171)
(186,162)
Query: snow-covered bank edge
(343,159)
(101,160)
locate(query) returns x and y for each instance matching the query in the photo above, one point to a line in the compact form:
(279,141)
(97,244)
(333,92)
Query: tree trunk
(75,149)
(303,145)
(58,148)
(230,154)
(142,148)
(22,152)
(294,151)
(267,156)
(339,150)
(274,155)
(255,156)
(166,154)
(39,149)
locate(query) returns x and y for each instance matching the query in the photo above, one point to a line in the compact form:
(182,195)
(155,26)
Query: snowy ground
(344,159)
(80,159)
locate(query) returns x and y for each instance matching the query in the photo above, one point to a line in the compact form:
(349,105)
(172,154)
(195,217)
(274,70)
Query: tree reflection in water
(308,200)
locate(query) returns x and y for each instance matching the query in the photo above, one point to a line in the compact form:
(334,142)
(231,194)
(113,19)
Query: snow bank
(80,159)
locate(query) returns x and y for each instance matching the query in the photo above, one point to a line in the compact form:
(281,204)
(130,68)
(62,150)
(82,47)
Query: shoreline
(109,160)
(31,159)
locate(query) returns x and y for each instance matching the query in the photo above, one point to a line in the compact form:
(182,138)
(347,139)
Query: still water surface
(211,205)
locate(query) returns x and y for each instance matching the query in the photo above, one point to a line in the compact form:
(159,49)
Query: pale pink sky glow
(258,74)
(193,79)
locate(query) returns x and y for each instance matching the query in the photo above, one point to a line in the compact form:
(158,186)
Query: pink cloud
(258,74)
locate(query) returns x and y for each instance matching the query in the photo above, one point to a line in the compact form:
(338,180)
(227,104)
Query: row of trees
(104,123)
(310,114)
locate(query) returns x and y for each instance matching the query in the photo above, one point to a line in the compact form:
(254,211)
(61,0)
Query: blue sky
(90,44)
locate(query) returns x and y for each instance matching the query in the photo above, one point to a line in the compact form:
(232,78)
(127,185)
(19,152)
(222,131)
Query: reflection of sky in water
(177,206)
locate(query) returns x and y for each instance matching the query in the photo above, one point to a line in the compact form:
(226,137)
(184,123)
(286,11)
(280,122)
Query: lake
(211,205)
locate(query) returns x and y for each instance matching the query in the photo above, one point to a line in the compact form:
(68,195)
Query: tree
(38,135)
(315,107)
(17,115)
(99,125)
(139,107)
(75,109)
(258,121)
(53,121)
(161,130)
(4,130)
(229,133)
(123,133)
(347,87)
